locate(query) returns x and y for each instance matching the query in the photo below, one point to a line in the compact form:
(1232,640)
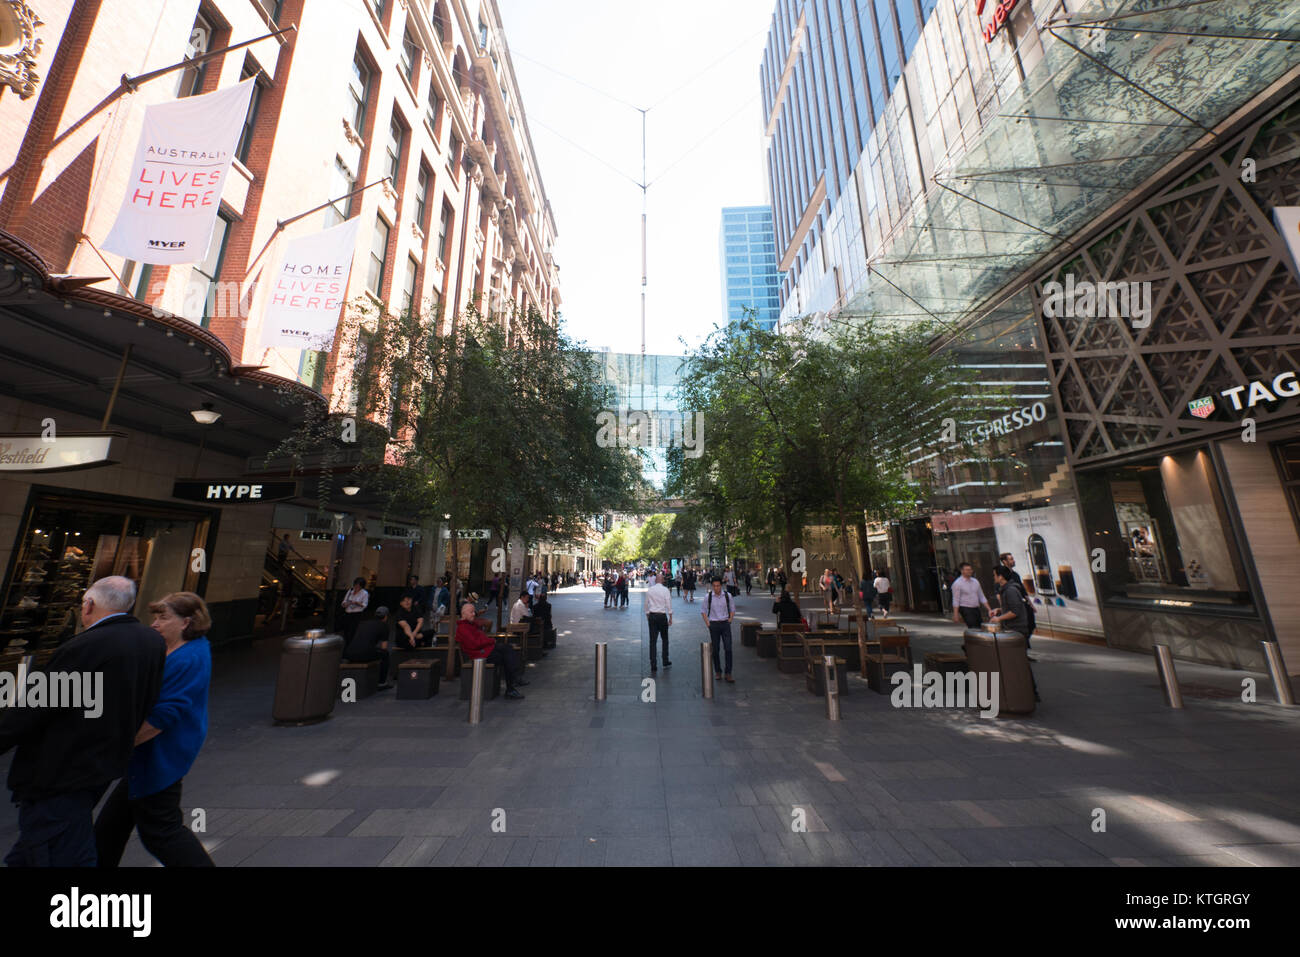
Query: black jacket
(62,750)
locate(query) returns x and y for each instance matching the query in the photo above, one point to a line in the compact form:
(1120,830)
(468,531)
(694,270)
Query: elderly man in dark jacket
(68,755)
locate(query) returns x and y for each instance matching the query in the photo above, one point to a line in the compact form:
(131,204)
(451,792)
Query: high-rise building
(405,116)
(747,253)
(1098,236)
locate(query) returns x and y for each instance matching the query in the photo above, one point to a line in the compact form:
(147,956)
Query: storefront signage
(1013,421)
(35,453)
(331,524)
(469,534)
(315,536)
(404,532)
(1201,408)
(1000,14)
(180,167)
(1285,386)
(236,492)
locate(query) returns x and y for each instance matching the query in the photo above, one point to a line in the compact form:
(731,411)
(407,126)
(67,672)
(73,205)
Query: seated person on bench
(787,610)
(478,644)
(409,624)
(521,611)
(370,643)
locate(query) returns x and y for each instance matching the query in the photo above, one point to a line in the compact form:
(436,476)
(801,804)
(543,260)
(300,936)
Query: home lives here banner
(180,168)
(307,290)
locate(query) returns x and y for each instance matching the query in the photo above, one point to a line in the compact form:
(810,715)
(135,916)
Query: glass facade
(747,254)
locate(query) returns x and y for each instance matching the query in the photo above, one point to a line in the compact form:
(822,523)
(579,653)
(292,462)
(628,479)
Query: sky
(695,65)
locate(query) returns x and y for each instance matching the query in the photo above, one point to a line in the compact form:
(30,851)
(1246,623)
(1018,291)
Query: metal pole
(831,675)
(706,668)
(1168,678)
(602,670)
(476,692)
(117,387)
(1277,669)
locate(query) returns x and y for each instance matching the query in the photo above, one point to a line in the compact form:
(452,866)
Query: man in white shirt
(717,613)
(532,585)
(658,604)
(521,611)
(967,597)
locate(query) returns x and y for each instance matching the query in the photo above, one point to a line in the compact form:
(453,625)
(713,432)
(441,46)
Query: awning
(1123,88)
(63,344)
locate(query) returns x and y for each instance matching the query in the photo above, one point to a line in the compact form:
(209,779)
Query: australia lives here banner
(307,290)
(180,168)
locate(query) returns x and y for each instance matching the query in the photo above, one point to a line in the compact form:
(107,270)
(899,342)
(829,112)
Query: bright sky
(704,151)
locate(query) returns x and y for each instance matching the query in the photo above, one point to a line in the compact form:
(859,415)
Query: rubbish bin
(308,680)
(1005,655)
(749,633)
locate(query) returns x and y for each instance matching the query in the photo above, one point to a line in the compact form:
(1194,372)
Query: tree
(653,539)
(620,545)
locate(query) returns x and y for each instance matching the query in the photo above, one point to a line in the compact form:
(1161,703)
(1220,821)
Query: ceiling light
(351,489)
(205,415)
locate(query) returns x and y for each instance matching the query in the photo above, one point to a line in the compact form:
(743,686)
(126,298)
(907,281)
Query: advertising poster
(1054,564)
(180,168)
(308,290)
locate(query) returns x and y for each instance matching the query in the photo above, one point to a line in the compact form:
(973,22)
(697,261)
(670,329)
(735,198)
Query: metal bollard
(706,668)
(602,670)
(1277,669)
(476,692)
(1168,677)
(831,675)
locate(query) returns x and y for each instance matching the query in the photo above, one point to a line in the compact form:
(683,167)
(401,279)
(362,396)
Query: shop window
(1163,528)
(66,545)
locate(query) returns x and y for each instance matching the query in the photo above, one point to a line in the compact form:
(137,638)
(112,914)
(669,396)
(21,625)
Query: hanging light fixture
(205,415)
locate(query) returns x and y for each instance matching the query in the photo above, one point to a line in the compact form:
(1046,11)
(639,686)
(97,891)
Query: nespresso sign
(234,493)
(37,453)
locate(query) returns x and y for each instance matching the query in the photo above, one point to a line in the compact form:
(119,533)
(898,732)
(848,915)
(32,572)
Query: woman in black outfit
(787,610)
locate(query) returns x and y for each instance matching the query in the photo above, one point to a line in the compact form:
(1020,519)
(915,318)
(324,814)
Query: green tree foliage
(620,545)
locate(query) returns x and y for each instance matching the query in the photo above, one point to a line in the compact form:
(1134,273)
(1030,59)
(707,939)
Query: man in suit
(67,759)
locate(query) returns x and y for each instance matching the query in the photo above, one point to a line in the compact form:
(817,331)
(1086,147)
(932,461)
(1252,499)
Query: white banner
(180,168)
(308,290)
(1287,219)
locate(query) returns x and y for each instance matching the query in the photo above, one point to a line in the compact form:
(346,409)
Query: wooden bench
(845,645)
(364,674)
(880,628)
(517,637)
(895,655)
(815,650)
(790,649)
(946,663)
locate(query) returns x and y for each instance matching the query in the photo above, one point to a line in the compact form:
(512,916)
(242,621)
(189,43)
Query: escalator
(307,584)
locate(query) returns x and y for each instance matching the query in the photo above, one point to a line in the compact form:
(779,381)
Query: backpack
(1030,617)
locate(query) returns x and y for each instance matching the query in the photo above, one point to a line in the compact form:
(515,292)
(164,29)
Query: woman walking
(148,799)
(355,603)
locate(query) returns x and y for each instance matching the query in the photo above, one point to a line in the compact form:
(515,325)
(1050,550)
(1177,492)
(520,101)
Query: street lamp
(351,490)
(205,415)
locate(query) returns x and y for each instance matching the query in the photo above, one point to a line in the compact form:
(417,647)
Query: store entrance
(65,543)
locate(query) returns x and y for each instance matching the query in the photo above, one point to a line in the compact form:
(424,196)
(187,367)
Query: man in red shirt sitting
(477,643)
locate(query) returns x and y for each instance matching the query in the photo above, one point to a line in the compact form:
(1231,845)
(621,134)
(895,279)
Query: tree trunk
(864,552)
(857,594)
(453,586)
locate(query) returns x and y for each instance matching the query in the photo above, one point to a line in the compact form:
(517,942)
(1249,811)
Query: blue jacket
(181,714)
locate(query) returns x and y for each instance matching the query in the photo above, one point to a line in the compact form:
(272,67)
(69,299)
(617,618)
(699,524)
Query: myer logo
(1099,300)
(102,910)
(1201,408)
(1285,386)
(167,244)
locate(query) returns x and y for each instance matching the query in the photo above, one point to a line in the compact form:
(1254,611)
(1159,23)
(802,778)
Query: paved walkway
(684,781)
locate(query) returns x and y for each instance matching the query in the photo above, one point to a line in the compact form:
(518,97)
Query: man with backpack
(1012,598)
(717,613)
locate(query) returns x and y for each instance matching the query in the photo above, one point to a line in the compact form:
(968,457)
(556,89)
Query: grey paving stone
(700,851)
(321,852)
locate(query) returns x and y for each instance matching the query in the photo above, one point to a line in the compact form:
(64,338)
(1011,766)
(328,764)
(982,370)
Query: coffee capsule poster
(1054,564)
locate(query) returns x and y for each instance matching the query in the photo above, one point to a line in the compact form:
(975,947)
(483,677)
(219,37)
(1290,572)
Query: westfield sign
(1000,14)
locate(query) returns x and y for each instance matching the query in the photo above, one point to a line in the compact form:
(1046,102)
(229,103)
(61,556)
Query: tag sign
(234,492)
(404,532)
(32,453)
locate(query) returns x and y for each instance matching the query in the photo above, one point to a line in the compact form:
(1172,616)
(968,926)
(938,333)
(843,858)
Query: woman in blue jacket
(148,799)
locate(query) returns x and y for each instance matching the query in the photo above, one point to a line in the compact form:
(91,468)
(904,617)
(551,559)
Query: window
(246,136)
(439,28)
(435,109)
(273,10)
(396,138)
(410,56)
(482,35)
(139,289)
(210,271)
(408,283)
(191,81)
(341,185)
(378,258)
(423,186)
(454,152)
(381,7)
(359,88)
(444,232)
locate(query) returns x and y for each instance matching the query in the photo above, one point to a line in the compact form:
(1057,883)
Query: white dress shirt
(658,599)
(967,593)
(881,585)
(517,611)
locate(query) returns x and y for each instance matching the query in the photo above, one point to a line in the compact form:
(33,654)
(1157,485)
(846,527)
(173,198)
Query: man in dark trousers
(370,643)
(67,758)
(717,613)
